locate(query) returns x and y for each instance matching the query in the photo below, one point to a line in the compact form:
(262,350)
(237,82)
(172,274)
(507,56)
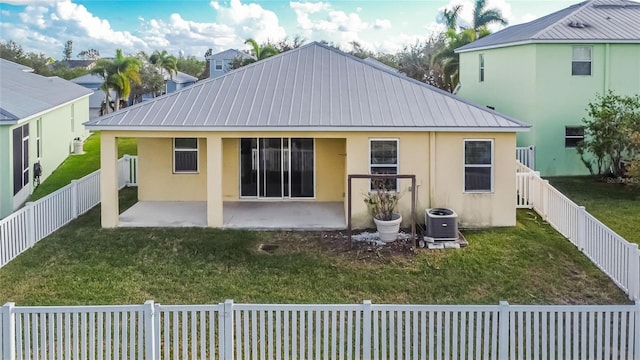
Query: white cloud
(250,21)
(320,21)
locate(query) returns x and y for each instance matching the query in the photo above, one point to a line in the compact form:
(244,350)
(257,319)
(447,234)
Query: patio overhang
(253,215)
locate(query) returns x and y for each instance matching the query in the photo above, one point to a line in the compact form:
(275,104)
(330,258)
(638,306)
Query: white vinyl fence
(610,252)
(36,220)
(366,331)
(527,156)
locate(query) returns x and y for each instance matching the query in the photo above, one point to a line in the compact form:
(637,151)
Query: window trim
(397,165)
(481,67)
(573,60)
(196,150)
(38,138)
(215,65)
(465,165)
(572,137)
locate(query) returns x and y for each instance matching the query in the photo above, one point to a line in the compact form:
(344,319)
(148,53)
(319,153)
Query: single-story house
(94,82)
(179,81)
(39,119)
(288,130)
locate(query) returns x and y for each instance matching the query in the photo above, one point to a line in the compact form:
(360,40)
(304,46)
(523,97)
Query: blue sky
(193,26)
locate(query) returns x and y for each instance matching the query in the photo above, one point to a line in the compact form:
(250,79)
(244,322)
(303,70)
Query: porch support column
(214,181)
(109,180)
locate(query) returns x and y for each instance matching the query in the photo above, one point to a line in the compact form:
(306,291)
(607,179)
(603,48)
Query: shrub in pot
(382,205)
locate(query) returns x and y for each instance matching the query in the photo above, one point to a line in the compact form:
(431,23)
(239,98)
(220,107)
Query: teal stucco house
(39,119)
(545,72)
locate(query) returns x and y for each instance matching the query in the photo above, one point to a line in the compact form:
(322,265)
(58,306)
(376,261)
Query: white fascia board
(31,117)
(307,129)
(526,42)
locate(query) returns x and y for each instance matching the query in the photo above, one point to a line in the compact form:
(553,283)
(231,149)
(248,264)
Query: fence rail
(36,220)
(610,252)
(365,331)
(526,156)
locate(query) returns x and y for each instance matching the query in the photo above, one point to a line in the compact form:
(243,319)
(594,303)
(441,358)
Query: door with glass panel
(277,168)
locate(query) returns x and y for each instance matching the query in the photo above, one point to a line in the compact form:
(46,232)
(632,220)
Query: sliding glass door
(277,168)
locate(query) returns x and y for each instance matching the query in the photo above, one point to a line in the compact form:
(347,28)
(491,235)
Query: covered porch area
(254,215)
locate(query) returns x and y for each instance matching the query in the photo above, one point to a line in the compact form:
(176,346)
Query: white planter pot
(388,230)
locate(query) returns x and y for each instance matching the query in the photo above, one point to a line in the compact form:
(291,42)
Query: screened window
(478,165)
(481,59)
(573,135)
(383,159)
(20,158)
(185,155)
(581,61)
(218,64)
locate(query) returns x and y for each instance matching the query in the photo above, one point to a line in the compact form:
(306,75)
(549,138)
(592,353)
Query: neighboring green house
(39,119)
(545,72)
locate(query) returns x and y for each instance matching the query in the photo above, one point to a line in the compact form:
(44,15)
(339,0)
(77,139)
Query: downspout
(432,168)
(607,68)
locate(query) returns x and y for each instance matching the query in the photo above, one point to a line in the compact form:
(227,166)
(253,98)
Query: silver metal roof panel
(312,87)
(589,21)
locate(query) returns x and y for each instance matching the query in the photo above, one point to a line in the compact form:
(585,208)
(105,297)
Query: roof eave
(505,129)
(536,41)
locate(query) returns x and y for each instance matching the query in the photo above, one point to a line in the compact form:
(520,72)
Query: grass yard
(616,205)
(84,264)
(77,166)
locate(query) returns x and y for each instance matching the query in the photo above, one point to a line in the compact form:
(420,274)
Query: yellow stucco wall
(156,180)
(439,184)
(476,209)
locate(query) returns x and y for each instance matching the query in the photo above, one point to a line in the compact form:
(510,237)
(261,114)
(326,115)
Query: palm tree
(483,17)
(448,60)
(261,52)
(118,74)
(164,61)
(451,17)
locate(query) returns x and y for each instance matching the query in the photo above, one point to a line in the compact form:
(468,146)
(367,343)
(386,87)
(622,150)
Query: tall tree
(118,74)
(483,17)
(68,50)
(164,62)
(447,58)
(263,51)
(450,17)
(89,54)
(191,65)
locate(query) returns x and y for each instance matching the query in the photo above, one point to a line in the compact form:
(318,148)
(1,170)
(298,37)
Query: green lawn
(84,264)
(77,166)
(616,205)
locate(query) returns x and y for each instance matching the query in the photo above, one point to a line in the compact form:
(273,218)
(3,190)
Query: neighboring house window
(481,67)
(38,138)
(581,61)
(20,158)
(573,135)
(478,165)
(383,159)
(185,155)
(218,65)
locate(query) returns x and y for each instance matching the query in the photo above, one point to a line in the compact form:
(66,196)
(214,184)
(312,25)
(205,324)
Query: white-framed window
(20,158)
(573,135)
(185,155)
(581,61)
(478,165)
(383,159)
(218,64)
(481,67)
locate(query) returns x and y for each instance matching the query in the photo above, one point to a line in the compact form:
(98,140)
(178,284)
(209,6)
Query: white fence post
(127,172)
(532,157)
(582,228)
(9,331)
(366,329)
(633,275)
(74,198)
(503,331)
(545,199)
(31,223)
(228,330)
(150,330)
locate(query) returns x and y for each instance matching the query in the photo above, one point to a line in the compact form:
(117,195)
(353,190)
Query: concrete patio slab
(255,215)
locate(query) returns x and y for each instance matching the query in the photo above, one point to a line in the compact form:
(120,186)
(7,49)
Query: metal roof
(88,79)
(312,88)
(591,21)
(181,78)
(24,94)
(380,64)
(229,54)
